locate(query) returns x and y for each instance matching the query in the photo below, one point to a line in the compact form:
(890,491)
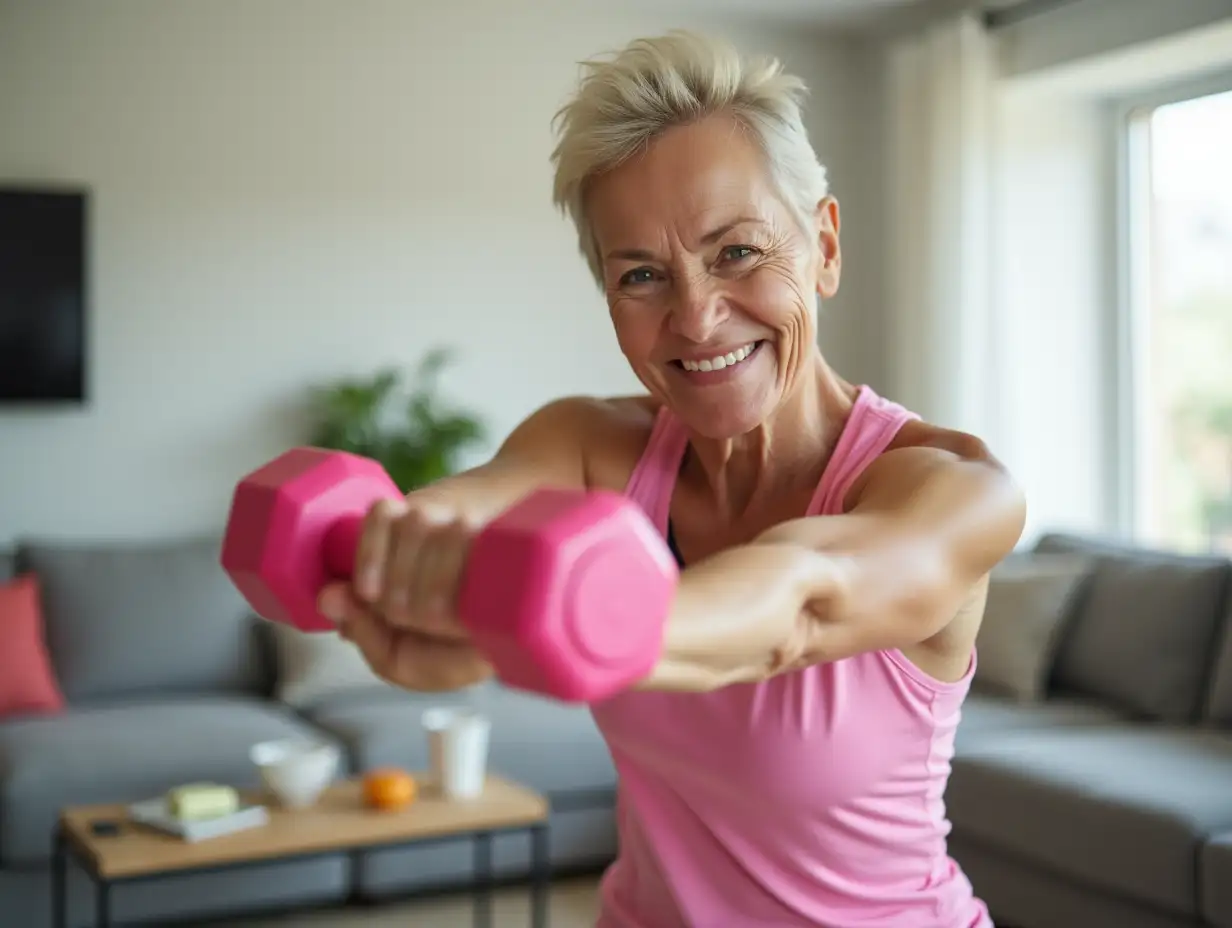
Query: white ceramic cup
(458,750)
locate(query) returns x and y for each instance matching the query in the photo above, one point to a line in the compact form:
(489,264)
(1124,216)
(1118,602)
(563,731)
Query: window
(1177,270)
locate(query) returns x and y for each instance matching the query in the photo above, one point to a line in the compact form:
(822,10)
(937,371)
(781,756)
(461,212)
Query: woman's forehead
(687,181)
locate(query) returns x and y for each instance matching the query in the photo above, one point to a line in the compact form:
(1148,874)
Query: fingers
(372,553)
(356,621)
(406,549)
(408,565)
(414,541)
(433,596)
(408,659)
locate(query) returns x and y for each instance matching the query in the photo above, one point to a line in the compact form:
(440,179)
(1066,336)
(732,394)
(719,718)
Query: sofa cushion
(1216,881)
(1145,630)
(314,669)
(1028,600)
(547,745)
(1218,708)
(1122,808)
(127,618)
(987,717)
(123,753)
(27,682)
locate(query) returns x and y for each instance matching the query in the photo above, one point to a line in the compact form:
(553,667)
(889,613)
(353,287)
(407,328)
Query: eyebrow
(639,254)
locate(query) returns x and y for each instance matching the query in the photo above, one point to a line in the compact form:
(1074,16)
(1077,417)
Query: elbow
(925,600)
(908,599)
(1004,521)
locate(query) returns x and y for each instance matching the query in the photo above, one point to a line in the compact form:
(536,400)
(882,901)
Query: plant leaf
(416,449)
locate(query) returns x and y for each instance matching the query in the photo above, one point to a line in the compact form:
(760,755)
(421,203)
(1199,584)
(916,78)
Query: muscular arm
(927,525)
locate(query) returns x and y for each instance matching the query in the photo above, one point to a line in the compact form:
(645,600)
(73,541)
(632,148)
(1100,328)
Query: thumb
(375,640)
(333,602)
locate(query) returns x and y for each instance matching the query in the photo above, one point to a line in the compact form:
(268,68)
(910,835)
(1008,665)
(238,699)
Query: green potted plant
(411,433)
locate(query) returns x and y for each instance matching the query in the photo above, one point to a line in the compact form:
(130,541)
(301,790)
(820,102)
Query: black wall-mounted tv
(43,294)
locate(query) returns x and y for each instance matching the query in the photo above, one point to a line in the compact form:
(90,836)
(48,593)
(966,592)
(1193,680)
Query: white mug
(458,750)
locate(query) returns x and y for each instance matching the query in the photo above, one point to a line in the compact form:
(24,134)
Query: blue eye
(738,252)
(639,275)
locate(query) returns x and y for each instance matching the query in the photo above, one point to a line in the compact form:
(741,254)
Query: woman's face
(711,283)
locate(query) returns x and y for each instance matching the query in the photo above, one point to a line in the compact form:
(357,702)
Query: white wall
(289,191)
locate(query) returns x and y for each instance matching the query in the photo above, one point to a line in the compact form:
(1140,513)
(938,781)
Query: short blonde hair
(626,99)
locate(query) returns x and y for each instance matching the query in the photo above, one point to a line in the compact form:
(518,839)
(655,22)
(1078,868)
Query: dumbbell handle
(341,545)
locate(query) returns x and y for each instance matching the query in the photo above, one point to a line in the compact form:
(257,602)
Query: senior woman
(786,761)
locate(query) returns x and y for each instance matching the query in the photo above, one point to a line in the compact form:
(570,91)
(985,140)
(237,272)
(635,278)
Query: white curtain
(942,359)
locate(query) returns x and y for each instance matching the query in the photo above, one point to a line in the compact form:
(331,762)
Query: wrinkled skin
(701,253)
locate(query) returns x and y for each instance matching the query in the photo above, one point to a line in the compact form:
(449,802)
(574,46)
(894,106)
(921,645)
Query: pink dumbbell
(566,593)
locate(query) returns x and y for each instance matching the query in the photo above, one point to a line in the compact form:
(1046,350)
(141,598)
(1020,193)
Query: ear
(830,255)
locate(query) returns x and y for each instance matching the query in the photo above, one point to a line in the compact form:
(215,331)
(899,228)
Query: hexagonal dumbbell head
(567,594)
(294,526)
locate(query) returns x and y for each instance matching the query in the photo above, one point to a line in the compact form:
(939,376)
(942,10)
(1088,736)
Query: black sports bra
(671,544)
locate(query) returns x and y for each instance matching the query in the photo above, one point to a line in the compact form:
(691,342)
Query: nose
(698,310)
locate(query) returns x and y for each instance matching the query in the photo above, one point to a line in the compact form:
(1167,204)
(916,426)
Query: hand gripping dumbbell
(566,593)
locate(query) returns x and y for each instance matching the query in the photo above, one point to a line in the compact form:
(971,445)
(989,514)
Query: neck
(781,458)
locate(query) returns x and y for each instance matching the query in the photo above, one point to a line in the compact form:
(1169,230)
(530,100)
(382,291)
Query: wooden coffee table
(113,850)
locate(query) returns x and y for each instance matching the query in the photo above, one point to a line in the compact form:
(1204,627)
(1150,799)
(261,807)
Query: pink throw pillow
(28,685)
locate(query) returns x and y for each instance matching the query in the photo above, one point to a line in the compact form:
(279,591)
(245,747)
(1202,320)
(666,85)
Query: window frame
(1127,117)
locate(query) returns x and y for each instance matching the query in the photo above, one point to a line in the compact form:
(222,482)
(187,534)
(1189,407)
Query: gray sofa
(170,679)
(1106,803)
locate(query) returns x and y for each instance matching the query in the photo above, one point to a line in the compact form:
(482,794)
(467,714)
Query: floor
(573,905)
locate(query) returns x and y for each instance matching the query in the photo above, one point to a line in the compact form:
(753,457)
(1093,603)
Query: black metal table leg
(102,913)
(483,879)
(59,879)
(539,876)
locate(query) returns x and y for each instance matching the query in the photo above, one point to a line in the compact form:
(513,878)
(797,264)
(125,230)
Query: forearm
(738,617)
(892,573)
(762,609)
(478,495)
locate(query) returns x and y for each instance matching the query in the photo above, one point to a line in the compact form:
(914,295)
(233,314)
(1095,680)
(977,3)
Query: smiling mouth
(721,361)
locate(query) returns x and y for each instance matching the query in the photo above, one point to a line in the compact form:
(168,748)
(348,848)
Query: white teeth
(722,361)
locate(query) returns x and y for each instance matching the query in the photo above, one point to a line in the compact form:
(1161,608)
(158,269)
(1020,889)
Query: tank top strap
(871,427)
(654,477)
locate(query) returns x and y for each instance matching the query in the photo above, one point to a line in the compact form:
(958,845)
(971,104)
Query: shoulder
(923,453)
(609,433)
(943,441)
(921,446)
(589,417)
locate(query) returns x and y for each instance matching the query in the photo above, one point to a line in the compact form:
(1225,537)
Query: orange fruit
(389,788)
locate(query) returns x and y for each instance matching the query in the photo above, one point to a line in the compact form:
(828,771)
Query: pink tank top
(812,799)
